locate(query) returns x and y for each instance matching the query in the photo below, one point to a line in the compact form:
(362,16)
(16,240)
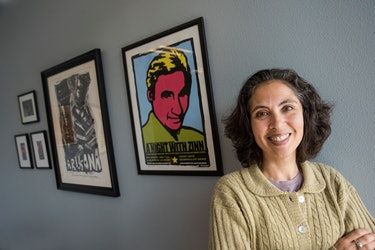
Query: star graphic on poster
(174,160)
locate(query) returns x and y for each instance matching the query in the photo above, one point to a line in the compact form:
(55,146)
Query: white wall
(330,43)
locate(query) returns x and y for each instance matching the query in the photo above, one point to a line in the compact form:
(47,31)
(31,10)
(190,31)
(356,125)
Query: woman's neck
(280,170)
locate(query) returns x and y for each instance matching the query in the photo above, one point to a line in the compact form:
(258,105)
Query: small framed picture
(23,151)
(28,107)
(40,149)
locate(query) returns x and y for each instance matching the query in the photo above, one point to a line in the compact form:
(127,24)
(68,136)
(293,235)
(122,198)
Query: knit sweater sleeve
(354,212)
(229,228)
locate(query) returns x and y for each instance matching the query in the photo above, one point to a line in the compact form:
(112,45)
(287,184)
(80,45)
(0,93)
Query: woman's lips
(279,138)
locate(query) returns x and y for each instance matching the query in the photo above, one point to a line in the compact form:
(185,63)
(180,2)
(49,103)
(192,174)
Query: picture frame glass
(23,151)
(40,149)
(75,164)
(28,107)
(79,126)
(187,145)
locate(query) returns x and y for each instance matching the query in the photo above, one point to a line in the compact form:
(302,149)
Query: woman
(280,200)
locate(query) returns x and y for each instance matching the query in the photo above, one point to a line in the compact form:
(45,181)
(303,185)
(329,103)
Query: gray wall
(331,43)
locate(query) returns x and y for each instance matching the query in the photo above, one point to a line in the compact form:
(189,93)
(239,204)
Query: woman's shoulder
(230,179)
(321,167)
(232,183)
(327,172)
(229,190)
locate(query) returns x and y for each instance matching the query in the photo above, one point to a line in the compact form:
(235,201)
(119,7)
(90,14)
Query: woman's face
(277,120)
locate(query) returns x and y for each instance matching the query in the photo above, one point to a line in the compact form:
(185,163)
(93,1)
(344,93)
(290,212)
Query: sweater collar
(257,183)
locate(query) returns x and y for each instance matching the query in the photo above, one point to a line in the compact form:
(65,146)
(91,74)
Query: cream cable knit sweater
(248,212)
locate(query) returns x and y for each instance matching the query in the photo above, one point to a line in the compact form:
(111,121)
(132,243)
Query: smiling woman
(277,124)
(275,202)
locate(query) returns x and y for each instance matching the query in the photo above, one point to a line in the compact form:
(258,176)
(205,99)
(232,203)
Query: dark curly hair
(316,115)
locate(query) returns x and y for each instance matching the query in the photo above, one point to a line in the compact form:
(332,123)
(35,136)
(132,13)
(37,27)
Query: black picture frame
(23,151)
(40,150)
(159,145)
(28,107)
(80,135)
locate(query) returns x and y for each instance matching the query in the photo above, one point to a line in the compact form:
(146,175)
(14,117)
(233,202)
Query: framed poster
(28,107)
(40,149)
(23,151)
(77,114)
(170,99)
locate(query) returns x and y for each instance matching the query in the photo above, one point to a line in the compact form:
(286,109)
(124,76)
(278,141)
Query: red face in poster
(170,101)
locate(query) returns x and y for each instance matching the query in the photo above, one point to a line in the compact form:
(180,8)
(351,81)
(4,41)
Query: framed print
(78,121)
(28,107)
(40,149)
(170,99)
(23,151)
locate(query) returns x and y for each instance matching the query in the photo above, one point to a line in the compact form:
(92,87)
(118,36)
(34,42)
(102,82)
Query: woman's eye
(288,108)
(261,114)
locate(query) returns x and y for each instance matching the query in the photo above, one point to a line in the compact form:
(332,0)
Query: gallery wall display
(79,127)
(40,149)
(171,104)
(23,151)
(28,107)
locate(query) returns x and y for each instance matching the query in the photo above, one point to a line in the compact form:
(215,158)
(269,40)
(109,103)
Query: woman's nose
(276,121)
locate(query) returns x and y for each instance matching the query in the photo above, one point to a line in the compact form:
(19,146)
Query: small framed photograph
(40,149)
(80,135)
(171,104)
(23,151)
(28,107)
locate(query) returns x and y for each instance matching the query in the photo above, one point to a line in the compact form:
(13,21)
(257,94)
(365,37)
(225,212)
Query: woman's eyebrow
(287,101)
(258,107)
(281,103)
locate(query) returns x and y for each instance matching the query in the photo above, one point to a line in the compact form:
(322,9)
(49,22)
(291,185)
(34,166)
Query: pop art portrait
(172,119)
